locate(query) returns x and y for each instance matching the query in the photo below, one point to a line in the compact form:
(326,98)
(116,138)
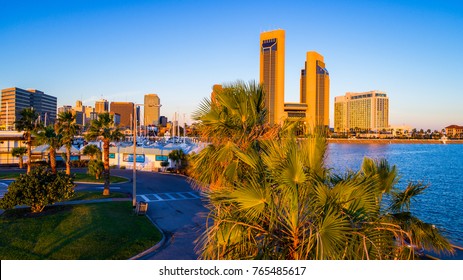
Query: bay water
(438,165)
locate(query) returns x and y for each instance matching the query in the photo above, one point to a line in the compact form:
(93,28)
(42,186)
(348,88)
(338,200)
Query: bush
(39,188)
(122,167)
(95,168)
(164,163)
(80,163)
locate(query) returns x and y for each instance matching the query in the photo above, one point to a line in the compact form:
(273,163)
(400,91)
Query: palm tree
(92,151)
(27,123)
(67,128)
(104,128)
(48,135)
(19,152)
(177,156)
(270,195)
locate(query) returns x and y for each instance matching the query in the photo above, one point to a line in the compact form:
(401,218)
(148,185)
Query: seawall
(391,141)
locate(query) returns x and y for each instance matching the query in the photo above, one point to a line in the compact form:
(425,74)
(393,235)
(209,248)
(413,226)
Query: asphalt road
(174,206)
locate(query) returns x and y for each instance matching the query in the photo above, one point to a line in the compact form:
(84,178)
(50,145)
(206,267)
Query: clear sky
(121,50)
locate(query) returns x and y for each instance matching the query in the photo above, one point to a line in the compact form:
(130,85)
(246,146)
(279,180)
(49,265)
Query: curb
(155,247)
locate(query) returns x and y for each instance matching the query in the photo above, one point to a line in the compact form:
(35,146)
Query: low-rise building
(454,131)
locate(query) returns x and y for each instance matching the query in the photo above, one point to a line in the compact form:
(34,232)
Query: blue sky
(121,50)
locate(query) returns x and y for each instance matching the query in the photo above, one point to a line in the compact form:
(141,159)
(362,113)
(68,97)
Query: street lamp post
(134,132)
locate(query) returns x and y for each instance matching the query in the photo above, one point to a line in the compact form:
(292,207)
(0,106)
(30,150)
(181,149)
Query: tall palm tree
(104,128)
(27,123)
(47,135)
(19,152)
(271,197)
(67,128)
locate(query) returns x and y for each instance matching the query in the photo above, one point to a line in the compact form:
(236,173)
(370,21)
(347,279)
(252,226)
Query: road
(172,204)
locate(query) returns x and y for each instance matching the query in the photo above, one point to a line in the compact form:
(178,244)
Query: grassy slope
(89,231)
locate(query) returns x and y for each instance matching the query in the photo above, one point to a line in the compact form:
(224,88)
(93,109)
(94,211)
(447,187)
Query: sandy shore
(391,141)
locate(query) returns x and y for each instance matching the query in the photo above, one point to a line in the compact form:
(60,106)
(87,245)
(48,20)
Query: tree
(47,135)
(271,197)
(19,152)
(27,123)
(93,151)
(37,189)
(95,167)
(67,128)
(104,128)
(178,156)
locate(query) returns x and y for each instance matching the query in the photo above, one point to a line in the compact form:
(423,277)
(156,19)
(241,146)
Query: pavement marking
(157,197)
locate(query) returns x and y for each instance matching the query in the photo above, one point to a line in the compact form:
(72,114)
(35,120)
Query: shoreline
(391,141)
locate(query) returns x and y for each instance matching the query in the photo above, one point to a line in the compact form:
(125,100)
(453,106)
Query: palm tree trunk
(53,160)
(68,160)
(106,166)
(21,161)
(29,153)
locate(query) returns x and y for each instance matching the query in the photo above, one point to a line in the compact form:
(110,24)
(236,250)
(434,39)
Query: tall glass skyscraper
(315,90)
(272,73)
(152,109)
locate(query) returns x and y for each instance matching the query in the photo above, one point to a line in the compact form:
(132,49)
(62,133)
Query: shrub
(80,163)
(164,163)
(95,167)
(39,188)
(123,167)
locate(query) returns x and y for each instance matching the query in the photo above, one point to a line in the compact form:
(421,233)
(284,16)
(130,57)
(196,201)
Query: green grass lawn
(94,231)
(79,177)
(84,177)
(88,195)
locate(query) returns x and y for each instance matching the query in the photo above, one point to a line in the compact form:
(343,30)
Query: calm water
(440,166)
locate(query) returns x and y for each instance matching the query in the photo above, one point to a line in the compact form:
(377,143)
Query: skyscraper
(152,109)
(315,89)
(366,111)
(101,106)
(14,100)
(125,110)
(272,73)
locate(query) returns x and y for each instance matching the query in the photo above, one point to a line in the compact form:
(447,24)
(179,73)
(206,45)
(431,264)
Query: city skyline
(121,51)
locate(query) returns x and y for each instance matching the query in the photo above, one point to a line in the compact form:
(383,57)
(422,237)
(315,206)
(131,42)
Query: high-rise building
(101,106)
(125,110)
(272,73)
(152,109)
(216,89)
(64,108)
(163,121)
(79,106)
(14,100)
(364,111)
(315,89)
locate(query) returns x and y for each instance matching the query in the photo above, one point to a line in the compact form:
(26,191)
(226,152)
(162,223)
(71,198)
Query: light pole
(134,132)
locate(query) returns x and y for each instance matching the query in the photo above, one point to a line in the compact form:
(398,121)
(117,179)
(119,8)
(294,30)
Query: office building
(163,121)
(101,106)
(364,111)
(216,89)
(14,100)
(315,90)
(79,106)
(64,108)
(125,111)
(152,109)
(272,73)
